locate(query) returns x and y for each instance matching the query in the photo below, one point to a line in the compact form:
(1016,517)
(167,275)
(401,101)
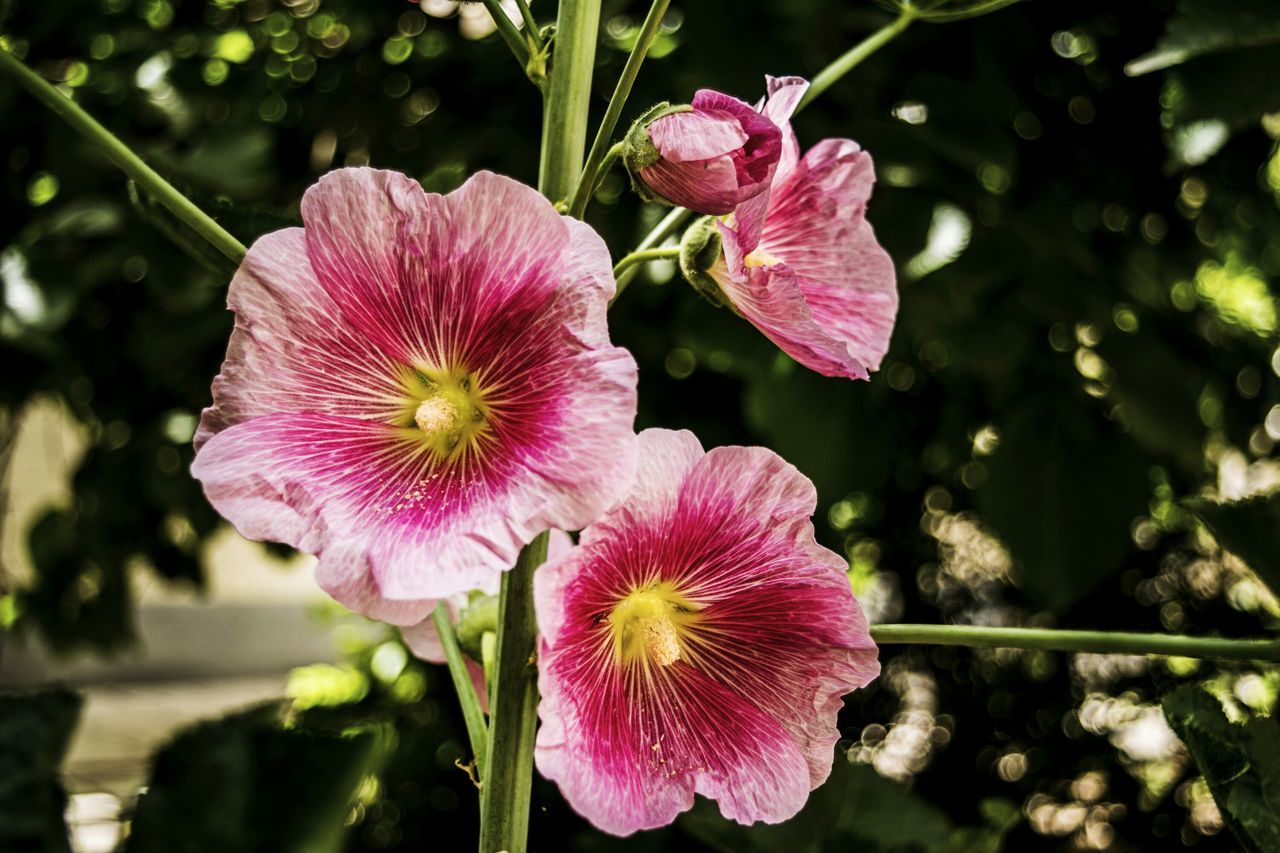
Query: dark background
(1097,344)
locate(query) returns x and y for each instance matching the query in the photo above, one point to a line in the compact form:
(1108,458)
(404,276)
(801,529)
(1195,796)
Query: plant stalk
(600,147)
(856,54)
(477,731)
(124,157)
(644,256)
(509,31)
(564,124)
(1101,642)
(504,796)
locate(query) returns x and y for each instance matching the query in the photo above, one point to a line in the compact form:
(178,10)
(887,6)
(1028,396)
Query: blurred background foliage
(1082,199)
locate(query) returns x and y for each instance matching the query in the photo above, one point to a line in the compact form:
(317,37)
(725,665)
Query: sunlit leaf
(1202,27)
(1249,528)
(1241,763)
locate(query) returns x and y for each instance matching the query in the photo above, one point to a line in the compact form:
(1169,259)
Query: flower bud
(700,249)
(708,156)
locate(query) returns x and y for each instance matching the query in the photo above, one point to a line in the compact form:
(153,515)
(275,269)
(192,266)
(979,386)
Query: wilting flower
(417,385)
(709,156)
(698,640)
(800,261)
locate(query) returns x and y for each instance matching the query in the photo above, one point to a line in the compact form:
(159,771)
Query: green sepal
(639,152)
(700,248)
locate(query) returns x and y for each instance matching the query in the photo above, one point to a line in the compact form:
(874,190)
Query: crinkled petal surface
(311,438)
(714,156)
(815,281)
(746,713)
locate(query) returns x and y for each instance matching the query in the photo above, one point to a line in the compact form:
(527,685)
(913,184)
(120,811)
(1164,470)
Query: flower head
(801,262)
(698,640)
(416,386)
(709,156)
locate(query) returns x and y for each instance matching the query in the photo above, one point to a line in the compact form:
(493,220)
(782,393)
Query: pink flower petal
(745,712)
(818,284)
(782,96)
(290,350)
(312,439)
(694,135)
(713,156)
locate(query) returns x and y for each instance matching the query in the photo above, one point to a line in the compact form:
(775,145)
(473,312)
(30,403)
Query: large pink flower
(417,385)
(800,260)
(698,640)
(709,157)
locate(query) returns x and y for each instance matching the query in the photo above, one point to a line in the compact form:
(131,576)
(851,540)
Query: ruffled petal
(825,291)
(290,350)
(308,442)
(771,299)
(773,639)
(782,96)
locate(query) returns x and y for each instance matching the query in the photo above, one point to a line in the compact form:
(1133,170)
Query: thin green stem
(600,148)
(663,230)
(120,154)
(1102,642)
(856,54)
(531,31)
(564,127)
(504,796)
(596,173)
(477,732)
(644,256)
(509,31)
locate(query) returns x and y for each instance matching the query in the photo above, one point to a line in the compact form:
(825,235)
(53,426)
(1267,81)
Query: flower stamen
(648,625)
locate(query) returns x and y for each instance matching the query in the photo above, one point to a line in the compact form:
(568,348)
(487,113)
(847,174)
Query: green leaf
(1240,762)
(1202,27)
(243,783)
(34,732)
(1062,491)
(1250,529)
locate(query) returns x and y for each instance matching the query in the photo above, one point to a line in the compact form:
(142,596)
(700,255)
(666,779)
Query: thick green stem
(120,154)
(564,124)
(509,31)
(504,796)
(644,256)
(1102,642)
(599,148)
(477,732)
(856,54)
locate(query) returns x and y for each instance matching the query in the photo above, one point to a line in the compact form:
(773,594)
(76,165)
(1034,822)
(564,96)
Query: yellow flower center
(448,409)
(650,625)
(760,258)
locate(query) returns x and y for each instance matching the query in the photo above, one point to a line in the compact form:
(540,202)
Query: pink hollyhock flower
(800,260)
(698,640)
(709,157)
(417,385)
